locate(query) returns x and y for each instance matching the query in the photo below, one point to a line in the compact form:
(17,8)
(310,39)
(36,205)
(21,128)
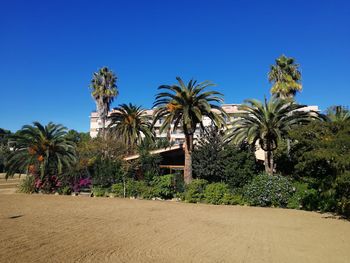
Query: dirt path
(39,228)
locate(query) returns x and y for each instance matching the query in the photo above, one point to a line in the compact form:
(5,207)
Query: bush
(164,186)
(118,189)
(106,172)
(232,199)
(99,191)
(343,185)
(266,190)
(66,190)
(303,197)
(194,191)
(214,193)
(240,166)
(27,185)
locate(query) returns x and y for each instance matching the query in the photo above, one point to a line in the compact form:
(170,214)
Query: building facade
(176,135)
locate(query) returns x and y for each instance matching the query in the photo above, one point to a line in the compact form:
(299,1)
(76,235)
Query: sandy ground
(41,228)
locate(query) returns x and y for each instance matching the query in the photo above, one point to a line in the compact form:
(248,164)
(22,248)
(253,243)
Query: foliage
(149,144)
(118,189)
(232,199)
(164,186)
(130,123)
(285,77)
(139,189)
(268,123)
(5,136)
(27,185)
(42,151)
(266,190)
(194,191)
(303,197)
(321,151)
(99,191)
(106,172)
(240,165)
(186,105)
(214,193)
(209,157)
(338,114)
(147,165)
(104,90)
(342,185)
(65,190)
(216,161)
(77,137)
(342,188)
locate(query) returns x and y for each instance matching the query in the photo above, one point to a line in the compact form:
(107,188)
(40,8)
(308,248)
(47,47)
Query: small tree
(187,105)
(267,123)
(42,151)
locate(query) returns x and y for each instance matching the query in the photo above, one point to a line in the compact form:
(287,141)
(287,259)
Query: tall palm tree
(131,124)
(267,124)
(186,105)
(104,90)
(338,114)
(41,150)
(285,77)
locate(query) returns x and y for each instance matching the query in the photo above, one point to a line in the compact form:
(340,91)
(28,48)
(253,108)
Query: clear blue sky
(49,50)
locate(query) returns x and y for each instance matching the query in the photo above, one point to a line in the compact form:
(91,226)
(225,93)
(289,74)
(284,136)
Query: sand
(43,228)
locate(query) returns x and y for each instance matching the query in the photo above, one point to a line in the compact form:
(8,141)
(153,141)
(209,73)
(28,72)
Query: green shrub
(99,191)
(164,186)
(194,191)
(311,200)
(342,185)
(66,190)
(137,189)
(215,192)
(266,190)
(232,199)
(344,207)
(106,172)
(118,189)
(27,185)
(303,197)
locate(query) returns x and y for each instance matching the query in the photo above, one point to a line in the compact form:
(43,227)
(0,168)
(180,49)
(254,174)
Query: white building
(176,135)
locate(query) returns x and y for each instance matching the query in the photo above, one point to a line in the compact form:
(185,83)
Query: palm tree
(267,124)
(285,77)
(104,90)
(131,124)
(186,105)
(338,114)
(41,150)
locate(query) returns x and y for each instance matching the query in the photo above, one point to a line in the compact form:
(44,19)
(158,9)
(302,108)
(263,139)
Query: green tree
(41,150)
(131,124)
(217,161)
(268,123)
(209,156)
(104,90)
(320,152)
(186,105)
(285,77)
(338,114)
(4,147)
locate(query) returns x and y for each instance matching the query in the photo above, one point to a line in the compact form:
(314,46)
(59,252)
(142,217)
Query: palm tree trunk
(266,163)
(103,128)
(188,159)
(269,162)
